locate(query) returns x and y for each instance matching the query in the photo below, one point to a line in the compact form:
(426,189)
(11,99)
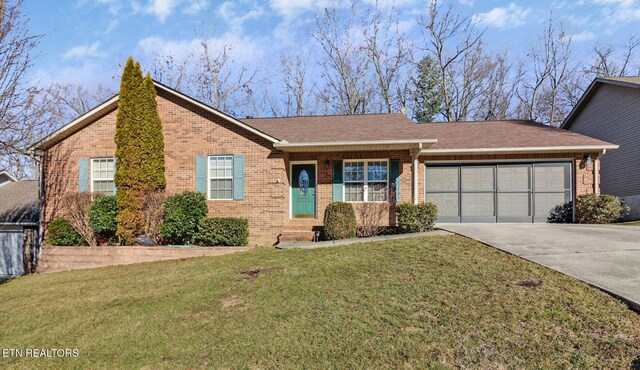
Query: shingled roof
(449,136)
(19,202)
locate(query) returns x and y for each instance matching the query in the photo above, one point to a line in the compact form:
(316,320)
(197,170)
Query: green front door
(303,190)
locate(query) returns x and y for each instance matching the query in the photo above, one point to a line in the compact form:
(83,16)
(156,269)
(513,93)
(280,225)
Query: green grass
(437,302)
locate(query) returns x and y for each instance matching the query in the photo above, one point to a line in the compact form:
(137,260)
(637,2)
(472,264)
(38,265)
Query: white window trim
(209,177)
(365,195)
(93,179)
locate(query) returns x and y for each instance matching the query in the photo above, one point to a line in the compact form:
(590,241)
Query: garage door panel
(552,177)
(448,206)
(478,178)
(545,202)
(443,178)
(478,207)
(514,207)
(514,178)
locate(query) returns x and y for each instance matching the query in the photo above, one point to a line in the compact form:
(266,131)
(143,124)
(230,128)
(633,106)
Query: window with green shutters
(221,177)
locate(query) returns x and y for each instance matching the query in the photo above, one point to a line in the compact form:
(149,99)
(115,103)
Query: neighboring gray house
(609,110)
(18,225)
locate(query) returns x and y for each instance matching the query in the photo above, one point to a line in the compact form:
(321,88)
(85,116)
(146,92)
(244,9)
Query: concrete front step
(296,235)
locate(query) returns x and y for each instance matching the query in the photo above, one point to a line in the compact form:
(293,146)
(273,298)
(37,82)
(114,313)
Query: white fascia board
(520,149)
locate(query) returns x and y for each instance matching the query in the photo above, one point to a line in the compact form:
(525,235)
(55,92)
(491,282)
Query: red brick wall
(188,131)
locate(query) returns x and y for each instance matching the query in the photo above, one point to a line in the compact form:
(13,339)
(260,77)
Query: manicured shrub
(415,218)
(227,231)
(561,214)
(339,221)
(599,209)
(590,209)
(102,216)
(61,233)
(182,214)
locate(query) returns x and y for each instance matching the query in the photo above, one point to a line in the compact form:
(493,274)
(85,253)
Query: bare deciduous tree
(455,46)
(347,87)
(19,120)
(607,62)
(549,68)
(390,53)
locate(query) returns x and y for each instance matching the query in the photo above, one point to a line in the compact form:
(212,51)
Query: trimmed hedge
(225,231)
(590,209)
(339,221)
(182,214)
(61,233)
(102,217)
(415,218)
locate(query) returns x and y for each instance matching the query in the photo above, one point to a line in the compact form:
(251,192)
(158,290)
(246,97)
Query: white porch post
(415,171)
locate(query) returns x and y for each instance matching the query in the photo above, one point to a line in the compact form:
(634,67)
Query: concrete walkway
(331,243)
(606,256)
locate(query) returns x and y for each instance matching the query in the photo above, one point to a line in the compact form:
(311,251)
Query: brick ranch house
(280,173)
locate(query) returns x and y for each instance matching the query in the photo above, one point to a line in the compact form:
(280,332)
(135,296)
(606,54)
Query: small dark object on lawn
(145,240)
(252,273)
(529,283)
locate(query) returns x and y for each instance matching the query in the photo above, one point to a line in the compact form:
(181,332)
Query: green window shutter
(238,177)
(395,177)
(83,175)
(201,174)
(337,181)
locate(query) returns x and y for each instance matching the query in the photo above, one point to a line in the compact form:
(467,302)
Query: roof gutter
(516,150)
(286,144)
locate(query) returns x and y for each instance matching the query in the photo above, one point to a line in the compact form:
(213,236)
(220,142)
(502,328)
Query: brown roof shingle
(450,135)
(19,202)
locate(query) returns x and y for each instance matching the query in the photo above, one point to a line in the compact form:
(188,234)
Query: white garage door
(498,192)
(11,243)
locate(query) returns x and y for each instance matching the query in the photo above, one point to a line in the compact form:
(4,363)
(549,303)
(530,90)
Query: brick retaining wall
(73,258)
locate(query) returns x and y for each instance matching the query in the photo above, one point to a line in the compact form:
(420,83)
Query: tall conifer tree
(140,150)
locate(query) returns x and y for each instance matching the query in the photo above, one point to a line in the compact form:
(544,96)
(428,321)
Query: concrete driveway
(606,256)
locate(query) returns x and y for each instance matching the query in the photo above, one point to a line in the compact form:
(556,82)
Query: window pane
(514,178)
(442,178)
(354,171)
(514,205)
(353,192)
(478,178)
(221,189)
(377,171)
(552,177)
(377,192)
(478,204)
(447,203)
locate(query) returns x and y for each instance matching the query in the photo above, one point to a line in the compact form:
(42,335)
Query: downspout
(596,171)
(40,237)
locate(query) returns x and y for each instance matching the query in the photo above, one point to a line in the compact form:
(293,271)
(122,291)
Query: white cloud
(467,2)
(583,36)
(241,48)
(235,17)
(503,17)
(83,51)
(390,3)
(619,11)
(162,9)
(291,8)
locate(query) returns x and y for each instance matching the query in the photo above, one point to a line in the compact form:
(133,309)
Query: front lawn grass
(629,223)
(435,302)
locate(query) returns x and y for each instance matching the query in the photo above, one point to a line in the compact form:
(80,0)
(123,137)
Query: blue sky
(84,40)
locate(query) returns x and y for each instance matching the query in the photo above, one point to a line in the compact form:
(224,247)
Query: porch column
(415,171)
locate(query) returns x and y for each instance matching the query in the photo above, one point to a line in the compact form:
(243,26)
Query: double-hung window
(221,177)
(366,181)
(102,172)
